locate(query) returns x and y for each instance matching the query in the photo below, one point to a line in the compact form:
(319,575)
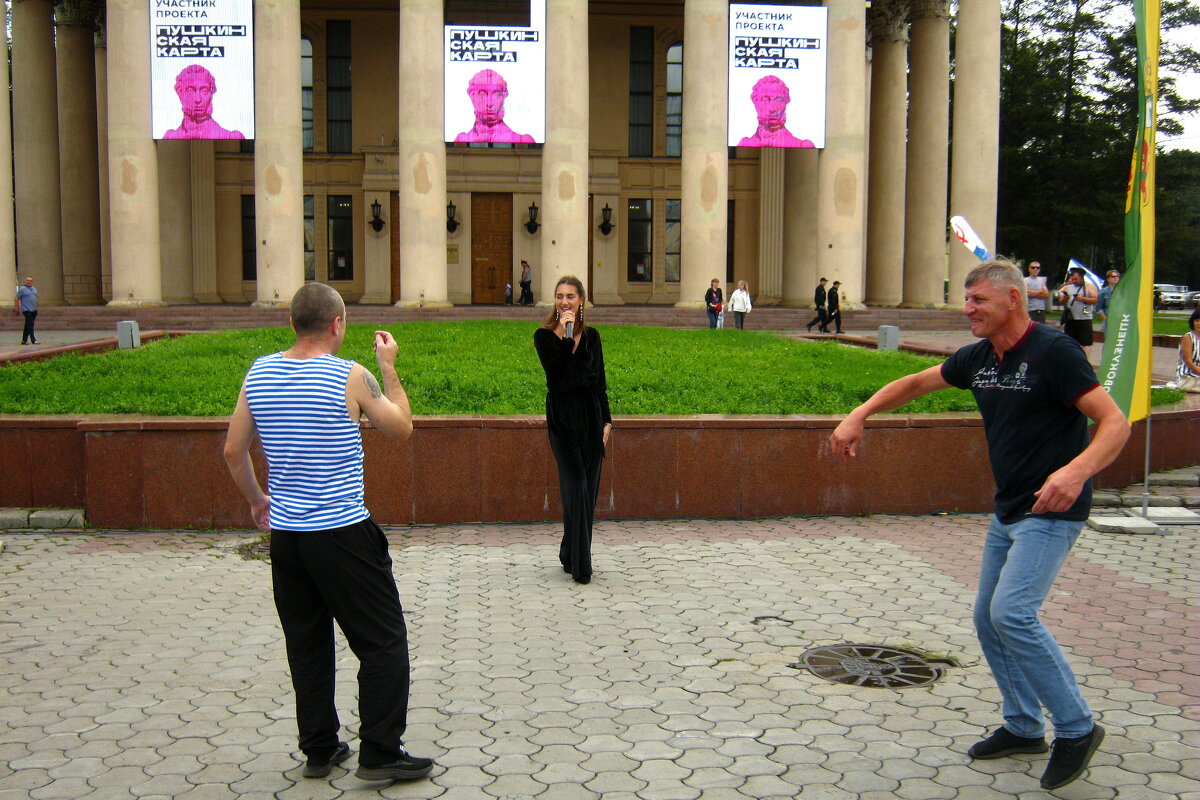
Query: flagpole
(1146,473)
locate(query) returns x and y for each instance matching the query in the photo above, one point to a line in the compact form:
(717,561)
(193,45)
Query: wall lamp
(606,225)
(532,225)
(451,222)
(376,221)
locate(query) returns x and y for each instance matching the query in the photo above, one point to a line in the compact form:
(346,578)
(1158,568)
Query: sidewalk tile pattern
(151,665)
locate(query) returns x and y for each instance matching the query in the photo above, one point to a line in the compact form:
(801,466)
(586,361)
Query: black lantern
(451,222)
(532,225)
(606,225)
(376,221)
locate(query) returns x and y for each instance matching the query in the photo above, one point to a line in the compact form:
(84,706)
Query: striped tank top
(313,447)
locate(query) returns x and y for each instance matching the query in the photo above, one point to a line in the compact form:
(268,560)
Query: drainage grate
(870,665)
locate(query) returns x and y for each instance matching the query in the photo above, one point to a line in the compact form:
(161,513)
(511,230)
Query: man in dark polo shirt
(1035,391)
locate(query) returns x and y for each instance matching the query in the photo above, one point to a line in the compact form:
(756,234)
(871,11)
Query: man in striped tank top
(329,560)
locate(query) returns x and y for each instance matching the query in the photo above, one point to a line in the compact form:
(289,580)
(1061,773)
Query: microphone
(570,330)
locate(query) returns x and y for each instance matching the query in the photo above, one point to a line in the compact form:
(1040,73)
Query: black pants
(820,318)
(739,319)
(579,484)
(835,318)
(526,293)
(27,331)
(343,574)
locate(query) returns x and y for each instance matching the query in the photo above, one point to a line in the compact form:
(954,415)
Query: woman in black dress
(577,418)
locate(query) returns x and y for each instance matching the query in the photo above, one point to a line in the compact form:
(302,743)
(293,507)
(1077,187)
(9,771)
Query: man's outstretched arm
(846,437)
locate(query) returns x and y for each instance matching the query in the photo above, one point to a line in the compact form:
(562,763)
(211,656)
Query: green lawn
(488,367)
(1172,325)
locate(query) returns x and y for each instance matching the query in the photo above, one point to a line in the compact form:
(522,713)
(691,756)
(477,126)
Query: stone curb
(41,518)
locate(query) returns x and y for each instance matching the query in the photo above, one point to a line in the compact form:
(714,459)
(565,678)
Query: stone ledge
(41,518)
(1122,524)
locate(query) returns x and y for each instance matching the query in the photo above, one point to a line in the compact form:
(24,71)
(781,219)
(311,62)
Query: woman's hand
(564,317)
(607,431)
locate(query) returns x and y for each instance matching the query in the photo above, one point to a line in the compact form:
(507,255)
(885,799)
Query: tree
(1068,112)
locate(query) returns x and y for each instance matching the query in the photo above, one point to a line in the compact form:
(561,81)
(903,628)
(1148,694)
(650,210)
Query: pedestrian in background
(1078,299)
(834,308)
(713,301)
(1038,294)
(526,284)
(1187,370)
(739,304)
(1111,278)
(819,300)
(25,302)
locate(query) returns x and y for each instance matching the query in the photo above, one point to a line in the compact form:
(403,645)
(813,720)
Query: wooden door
(491,245)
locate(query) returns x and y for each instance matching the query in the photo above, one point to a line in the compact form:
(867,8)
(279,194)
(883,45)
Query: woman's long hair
(551,321)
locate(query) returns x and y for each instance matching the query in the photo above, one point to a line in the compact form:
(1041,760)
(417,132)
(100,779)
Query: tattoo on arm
(372,385)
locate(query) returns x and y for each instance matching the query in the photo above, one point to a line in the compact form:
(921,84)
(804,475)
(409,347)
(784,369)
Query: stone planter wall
(169,473)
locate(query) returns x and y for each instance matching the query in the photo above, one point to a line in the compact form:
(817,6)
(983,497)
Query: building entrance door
(491,245)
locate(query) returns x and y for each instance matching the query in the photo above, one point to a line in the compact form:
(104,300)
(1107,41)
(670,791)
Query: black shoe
(1070,757)
(582,578)
(320,766)
(403,768)
(808,327)
(1003,742)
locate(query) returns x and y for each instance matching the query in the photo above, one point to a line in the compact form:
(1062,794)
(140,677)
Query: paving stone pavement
(151,665)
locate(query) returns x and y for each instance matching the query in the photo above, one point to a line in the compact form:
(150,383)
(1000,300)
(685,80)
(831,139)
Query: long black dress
(576,413)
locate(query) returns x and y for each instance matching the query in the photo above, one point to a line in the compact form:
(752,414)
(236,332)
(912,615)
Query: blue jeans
(1020,563)
(712,318)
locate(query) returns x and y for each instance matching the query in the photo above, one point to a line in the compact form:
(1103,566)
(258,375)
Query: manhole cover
(870,665)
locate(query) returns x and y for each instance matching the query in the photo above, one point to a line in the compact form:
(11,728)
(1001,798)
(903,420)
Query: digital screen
(202,69)
(777,63)
(496,82)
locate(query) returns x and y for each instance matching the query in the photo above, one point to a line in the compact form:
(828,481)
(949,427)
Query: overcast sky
(1188,86)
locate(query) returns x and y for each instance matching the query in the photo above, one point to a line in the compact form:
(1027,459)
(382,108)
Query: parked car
(1175,296)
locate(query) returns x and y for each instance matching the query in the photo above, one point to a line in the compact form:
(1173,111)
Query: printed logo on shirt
(989,377)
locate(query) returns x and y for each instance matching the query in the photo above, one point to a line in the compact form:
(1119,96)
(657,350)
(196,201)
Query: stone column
(175,207)
(841,178)
(889,130)
(78,151)
(800,233)
(565,155)
(769,291)
(377,251)
(976,154)
(422,156)
(132,159)
(35,148)
(278,152)
(101,57)
(8,230)
(203,182)
(926,222)
(705,162)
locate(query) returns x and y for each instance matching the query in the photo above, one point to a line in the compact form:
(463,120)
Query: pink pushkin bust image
(770,97)
(196,86)
(488,90)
